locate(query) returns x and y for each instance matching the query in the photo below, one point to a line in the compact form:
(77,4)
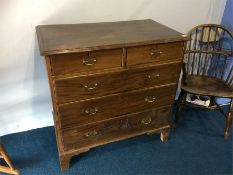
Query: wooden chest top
(65,38)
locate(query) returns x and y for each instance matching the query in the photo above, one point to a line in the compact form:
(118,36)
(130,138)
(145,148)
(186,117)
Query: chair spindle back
(209,53)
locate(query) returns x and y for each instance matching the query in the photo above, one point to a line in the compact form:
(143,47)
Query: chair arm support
(184,77)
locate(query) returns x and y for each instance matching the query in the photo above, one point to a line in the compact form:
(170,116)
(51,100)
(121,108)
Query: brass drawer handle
(91,111)
(91,85)
(155,53)
(89,61)
(91,133)
(146,121)
(150,99)
(153,76)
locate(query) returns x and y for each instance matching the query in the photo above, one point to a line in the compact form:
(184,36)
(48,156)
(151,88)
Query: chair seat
(207,86)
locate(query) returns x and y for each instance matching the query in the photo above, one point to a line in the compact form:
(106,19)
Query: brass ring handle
(91,133)
(146,121)
(150,99)
(91,111)
(91,85)
(153,76)
(155,53)
(89,61)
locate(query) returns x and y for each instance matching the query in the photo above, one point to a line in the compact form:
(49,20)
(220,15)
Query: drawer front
(154,54)
(115,129)
(87,87)
(86,61)
(81,113)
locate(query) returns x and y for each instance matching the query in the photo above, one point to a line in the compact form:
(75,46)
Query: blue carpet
(197,147)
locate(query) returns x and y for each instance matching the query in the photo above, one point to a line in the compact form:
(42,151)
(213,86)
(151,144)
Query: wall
(227,19)
(25,100)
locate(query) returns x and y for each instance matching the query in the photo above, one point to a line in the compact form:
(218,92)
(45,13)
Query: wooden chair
(208,69)
(3,155)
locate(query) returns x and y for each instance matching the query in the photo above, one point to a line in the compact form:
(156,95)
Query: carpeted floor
(197,147)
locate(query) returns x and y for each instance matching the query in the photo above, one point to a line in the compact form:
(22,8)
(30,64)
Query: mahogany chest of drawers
(110,81)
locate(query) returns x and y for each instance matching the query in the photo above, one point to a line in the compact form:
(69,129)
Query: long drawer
(154,54)
(81,113)
(115,129)
(92,86)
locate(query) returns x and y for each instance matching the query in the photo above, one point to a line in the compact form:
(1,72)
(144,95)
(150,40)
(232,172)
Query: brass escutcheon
(153,76)
(146,121)
(91,133)
(89,61)
(154,53)
(91,85)
(150,99)
(91,111)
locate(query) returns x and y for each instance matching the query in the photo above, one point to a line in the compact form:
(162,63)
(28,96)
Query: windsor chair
(208,69)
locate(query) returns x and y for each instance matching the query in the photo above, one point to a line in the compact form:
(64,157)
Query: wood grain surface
(66,38)
(75,62)
(78,88)
(74,114)
(118,128)
(161,53)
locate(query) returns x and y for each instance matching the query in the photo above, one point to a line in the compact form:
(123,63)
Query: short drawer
(92,86)
(115,129)
(154,54)
(85,61)
(81,113)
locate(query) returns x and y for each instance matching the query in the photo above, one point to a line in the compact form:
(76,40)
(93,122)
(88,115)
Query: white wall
(25,101)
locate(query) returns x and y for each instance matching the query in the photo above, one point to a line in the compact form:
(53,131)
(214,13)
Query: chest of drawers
(110,81)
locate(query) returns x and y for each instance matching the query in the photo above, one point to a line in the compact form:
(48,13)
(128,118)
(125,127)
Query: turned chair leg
(180,105)
(5,156)
(228,120)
